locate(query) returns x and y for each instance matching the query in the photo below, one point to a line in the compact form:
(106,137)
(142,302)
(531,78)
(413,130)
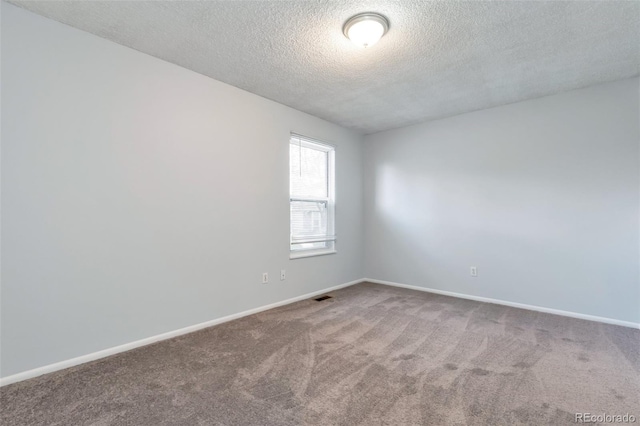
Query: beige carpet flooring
(371,355)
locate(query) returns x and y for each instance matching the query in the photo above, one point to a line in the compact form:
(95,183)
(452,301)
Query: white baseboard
(511,304)
(153,339)
(164,336)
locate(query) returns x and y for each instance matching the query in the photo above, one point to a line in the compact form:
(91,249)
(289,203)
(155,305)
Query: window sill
(310,253)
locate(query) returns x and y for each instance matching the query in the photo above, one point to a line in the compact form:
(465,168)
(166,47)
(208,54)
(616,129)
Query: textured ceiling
(438,59)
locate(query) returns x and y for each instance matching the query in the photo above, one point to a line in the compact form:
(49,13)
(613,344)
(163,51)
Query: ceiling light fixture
(365,29)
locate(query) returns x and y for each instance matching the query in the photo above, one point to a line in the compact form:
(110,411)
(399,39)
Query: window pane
(311,198)
(308,172)
(312,246)
(308,219)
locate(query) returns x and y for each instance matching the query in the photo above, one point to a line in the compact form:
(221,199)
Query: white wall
(139,197)
(542,196)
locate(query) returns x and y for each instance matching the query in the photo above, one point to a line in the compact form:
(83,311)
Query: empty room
(319,212)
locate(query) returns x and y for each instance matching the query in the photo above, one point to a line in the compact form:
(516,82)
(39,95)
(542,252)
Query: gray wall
(139,197)
(542,196)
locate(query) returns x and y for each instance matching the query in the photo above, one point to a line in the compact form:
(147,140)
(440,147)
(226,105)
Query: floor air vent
(321,298)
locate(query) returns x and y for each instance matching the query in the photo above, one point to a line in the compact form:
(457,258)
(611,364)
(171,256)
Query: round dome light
(365,29)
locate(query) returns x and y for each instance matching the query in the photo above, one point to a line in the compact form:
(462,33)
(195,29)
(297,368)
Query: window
(311,197)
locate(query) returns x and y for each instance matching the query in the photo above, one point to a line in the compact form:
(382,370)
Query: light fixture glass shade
(366,29)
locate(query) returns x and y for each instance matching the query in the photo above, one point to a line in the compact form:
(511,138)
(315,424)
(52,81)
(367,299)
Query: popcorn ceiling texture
(438,59)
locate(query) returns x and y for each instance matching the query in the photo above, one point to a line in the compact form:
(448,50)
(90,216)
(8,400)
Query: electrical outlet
(283,275)
(474,271)
(265,278)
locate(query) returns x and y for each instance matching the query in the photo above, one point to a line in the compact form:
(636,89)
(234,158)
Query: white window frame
(330,238)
